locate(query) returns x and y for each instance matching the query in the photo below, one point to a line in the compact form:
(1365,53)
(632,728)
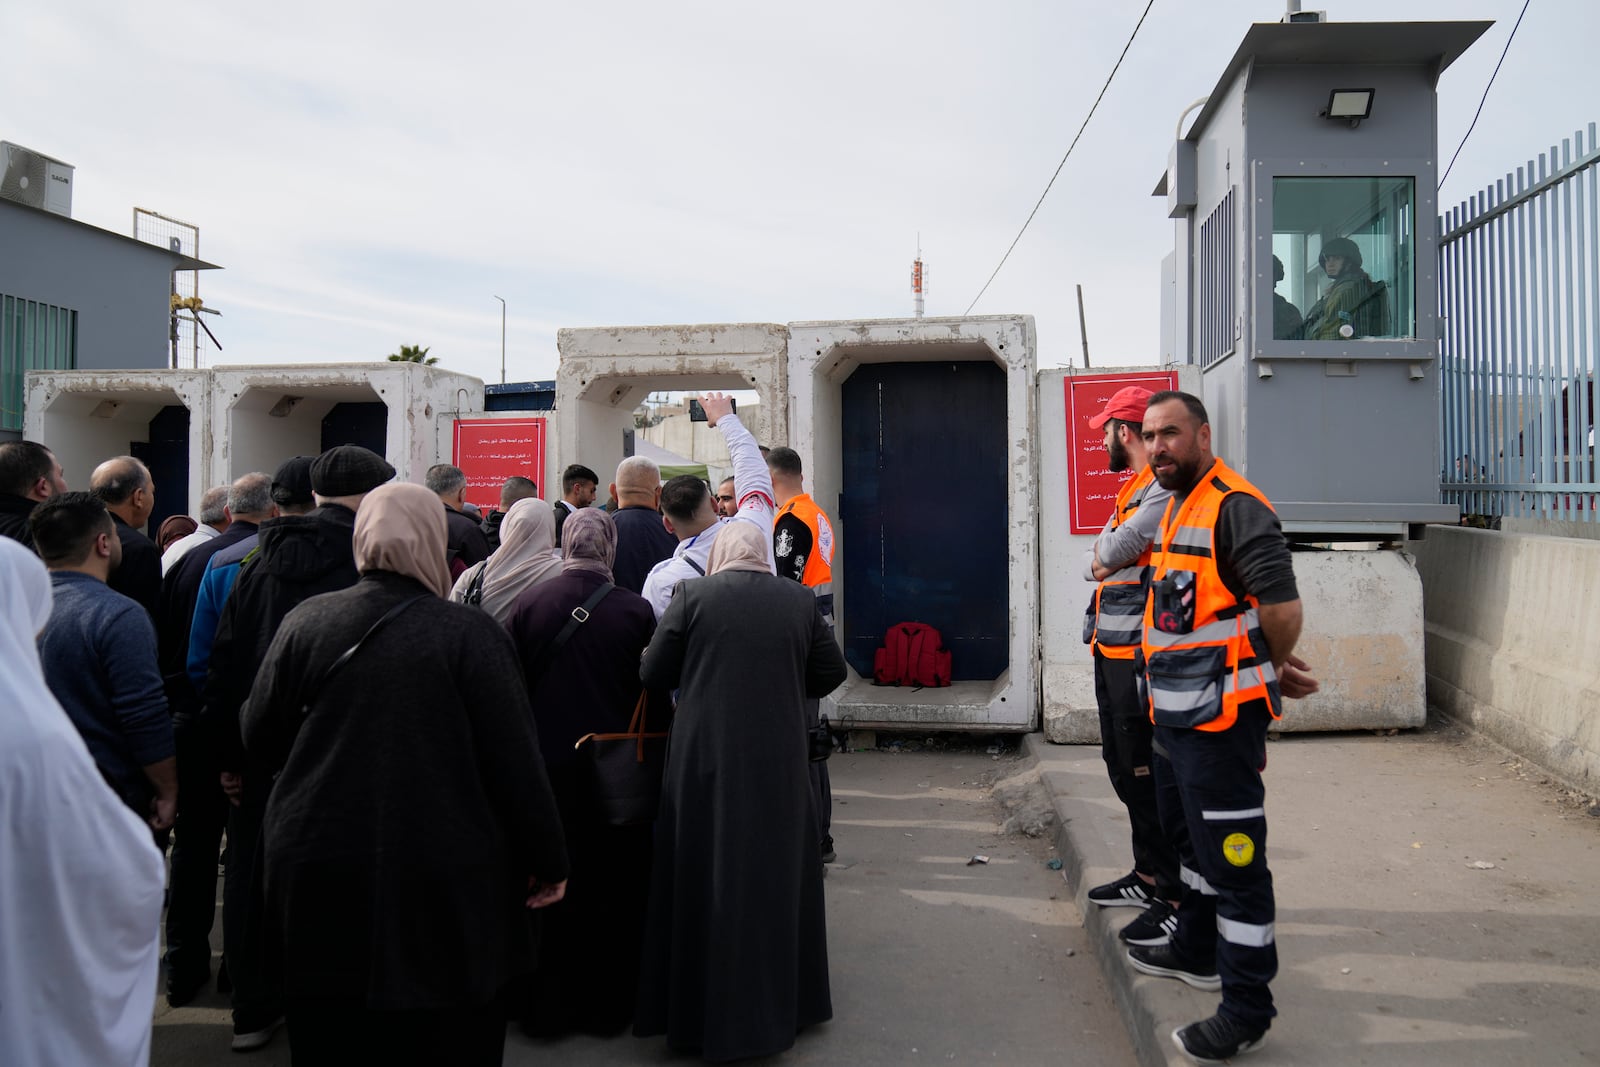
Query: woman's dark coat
(412,807)
(589,948)
(736,954)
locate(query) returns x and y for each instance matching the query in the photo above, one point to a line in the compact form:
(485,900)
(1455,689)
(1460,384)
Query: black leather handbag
(622,772)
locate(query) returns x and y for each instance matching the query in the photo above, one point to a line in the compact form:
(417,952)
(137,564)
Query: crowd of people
(378,701)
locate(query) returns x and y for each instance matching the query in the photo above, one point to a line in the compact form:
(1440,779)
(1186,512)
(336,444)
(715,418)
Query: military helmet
(1340,246)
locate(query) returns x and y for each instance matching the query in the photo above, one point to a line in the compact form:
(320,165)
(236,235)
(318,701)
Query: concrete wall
(89,416)
(1512,630)
(605,373)
(119,287)
(264,415)
(821,356)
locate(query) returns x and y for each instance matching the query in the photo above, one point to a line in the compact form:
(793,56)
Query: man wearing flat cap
(298,557)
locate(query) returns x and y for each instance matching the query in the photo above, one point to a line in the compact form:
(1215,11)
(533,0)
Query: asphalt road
(933,960)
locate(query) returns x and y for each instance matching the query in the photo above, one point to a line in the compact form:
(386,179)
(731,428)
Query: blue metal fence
(1519,285)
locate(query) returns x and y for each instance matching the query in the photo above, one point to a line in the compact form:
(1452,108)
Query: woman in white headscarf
(80,877)
(527,556)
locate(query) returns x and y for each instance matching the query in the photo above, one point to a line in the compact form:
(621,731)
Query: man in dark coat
(465,544)
(202,809)
(299,557)
(736,954)
(129,493)
(643,540)
(29,474)
(579,486)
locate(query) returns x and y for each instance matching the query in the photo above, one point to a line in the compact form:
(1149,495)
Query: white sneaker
(255,1039)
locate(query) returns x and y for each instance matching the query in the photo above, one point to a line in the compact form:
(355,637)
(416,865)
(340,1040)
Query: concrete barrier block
(1511,631)
(1363,639)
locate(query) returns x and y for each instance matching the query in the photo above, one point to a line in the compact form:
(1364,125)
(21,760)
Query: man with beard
(1119,561)
(1220,624)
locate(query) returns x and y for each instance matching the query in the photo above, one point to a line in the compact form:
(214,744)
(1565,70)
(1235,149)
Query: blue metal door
(167,456)
(364,423)
(923,510)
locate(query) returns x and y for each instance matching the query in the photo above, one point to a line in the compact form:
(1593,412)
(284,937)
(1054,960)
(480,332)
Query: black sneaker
(1155,926)
(1163,962)
(1217,1039)
(1129,891)
(828,854)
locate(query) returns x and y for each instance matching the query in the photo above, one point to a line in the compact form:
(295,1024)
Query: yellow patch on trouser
(1238,849)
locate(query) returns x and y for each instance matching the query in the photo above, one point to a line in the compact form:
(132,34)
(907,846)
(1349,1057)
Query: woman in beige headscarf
(526,557)
(736,957)
(412,821)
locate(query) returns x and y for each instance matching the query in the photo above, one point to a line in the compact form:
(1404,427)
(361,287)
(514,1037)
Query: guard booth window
(1343,258)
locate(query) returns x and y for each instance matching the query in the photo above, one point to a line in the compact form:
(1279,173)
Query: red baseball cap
(1127,404)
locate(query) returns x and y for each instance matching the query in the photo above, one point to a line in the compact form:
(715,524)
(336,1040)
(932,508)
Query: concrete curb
(1091,837)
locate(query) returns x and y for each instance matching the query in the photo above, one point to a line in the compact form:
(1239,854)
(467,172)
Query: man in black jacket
(202,809)
(129,493)
(465,545)
(298,557)
(29,474)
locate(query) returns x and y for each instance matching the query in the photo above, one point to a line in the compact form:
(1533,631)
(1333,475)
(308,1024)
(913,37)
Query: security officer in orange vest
(1118,560)
(1221,621)
(802,549)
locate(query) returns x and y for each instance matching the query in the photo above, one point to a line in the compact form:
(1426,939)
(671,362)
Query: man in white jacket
(690,510)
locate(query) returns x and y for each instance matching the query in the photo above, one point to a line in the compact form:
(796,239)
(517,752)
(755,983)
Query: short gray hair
(250,494)
(211,504)
(638,472)
(443,479)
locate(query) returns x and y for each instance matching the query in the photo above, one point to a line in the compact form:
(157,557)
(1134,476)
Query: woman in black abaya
(589,943)
(736,953)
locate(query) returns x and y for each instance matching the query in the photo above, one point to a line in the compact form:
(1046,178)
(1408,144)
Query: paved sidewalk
(1397,945)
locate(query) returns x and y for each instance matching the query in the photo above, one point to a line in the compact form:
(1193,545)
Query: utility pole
(1083,329)
(502,338)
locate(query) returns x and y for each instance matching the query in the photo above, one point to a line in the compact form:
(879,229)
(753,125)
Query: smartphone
(697,413)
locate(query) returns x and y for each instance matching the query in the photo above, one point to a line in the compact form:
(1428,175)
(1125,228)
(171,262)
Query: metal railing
(1519,285)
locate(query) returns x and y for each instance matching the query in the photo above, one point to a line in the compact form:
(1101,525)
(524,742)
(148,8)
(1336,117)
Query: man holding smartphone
(689,510)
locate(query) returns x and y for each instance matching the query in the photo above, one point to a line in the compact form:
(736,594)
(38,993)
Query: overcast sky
(371,174)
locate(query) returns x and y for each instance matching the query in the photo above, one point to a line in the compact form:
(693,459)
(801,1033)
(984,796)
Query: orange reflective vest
(818,575)
(1119,598)
(1204,651)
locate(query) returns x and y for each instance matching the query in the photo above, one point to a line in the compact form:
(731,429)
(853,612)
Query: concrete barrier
(1511,636)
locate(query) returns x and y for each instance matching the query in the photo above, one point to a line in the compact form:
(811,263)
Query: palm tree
(413,354)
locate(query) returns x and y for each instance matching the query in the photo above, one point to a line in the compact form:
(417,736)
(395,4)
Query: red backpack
(913,653)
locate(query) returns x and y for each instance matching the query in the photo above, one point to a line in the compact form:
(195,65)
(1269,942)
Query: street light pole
(502,338)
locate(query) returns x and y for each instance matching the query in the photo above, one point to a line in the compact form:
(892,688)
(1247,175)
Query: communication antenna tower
(918,276)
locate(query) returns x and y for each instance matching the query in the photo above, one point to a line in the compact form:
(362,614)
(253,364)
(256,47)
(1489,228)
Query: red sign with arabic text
(1093,488)
(489,451)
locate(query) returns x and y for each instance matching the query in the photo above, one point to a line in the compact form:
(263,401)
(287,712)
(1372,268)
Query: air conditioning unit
(33,178)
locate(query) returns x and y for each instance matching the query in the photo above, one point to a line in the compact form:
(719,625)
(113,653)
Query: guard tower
(1304,283)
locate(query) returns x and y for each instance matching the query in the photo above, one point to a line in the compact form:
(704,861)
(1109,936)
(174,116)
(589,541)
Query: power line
(1064,158)
(1486,89)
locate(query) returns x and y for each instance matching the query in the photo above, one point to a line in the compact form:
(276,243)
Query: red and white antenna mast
(917,276)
